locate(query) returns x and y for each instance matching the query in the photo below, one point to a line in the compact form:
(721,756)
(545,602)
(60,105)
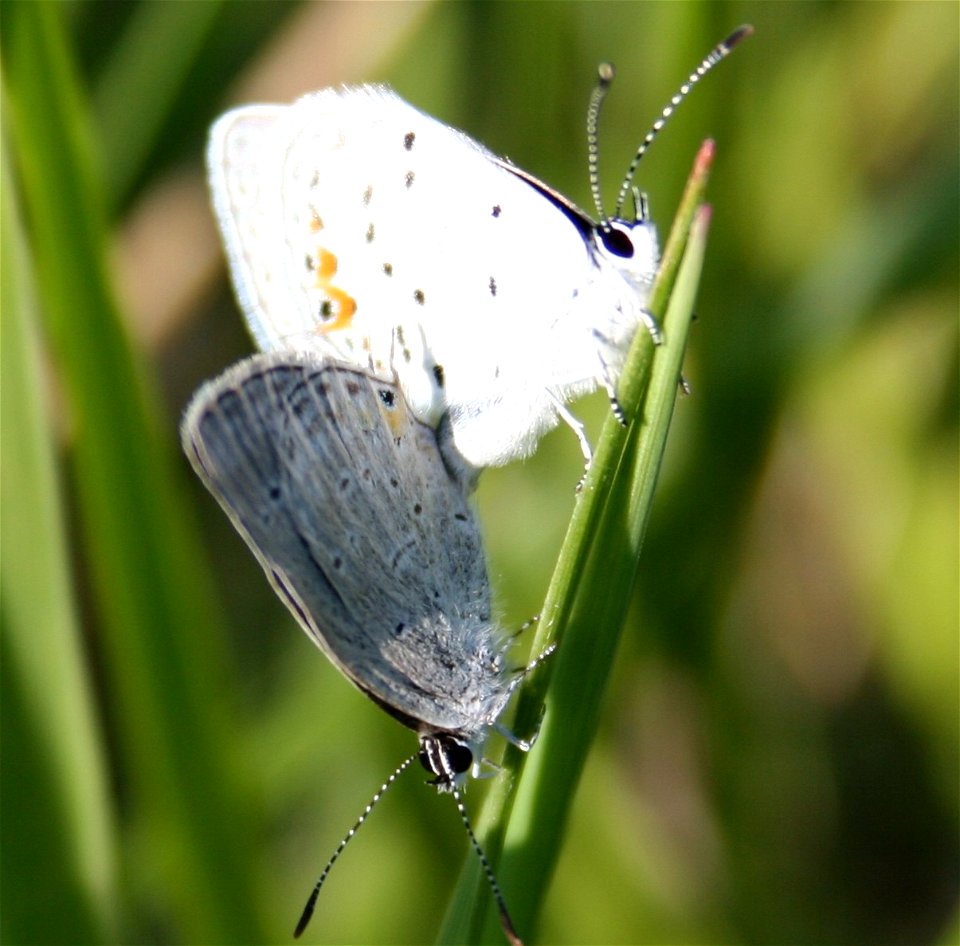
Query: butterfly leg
(615,407)
(525,745)
(523,672)
(524,627)
(609,382)
(575,425)
(652,326)
(611,388)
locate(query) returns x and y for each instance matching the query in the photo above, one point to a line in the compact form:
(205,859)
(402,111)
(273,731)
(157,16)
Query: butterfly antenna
(525,626)
(512,936)
(717,54)
(312,899)
(605,76)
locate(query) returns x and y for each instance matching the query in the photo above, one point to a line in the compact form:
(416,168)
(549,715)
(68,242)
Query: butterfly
(342,495)
(357,226)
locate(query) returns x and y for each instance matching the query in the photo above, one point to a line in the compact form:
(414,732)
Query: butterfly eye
(617,242)
(459,757)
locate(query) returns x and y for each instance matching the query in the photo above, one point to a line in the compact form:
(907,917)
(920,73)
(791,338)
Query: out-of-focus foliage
(778,756)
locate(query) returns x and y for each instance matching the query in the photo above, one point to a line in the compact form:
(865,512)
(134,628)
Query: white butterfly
(358,226)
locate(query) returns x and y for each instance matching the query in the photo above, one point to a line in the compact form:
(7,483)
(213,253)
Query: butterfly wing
(343,497)
(404,204)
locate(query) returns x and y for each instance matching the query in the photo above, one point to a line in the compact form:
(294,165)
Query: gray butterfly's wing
(345,500)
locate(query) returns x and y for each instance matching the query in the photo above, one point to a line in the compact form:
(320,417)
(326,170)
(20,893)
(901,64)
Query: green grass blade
(59,841)
(161,643)
(585,606)
(141,81)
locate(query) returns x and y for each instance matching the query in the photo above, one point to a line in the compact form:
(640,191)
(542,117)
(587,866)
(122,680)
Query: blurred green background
(778,758)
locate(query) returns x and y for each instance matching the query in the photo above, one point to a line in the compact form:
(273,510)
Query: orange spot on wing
(337,308)
(326,266)
(397,421)
(344,306)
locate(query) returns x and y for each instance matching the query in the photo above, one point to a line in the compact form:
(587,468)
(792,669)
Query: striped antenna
(347,838)
(505,922)
(717,54)
(605,76)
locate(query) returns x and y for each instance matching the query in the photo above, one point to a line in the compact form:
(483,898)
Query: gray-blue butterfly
(344,498)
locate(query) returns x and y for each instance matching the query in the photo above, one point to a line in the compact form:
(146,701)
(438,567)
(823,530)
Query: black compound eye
(459,757)
(617,242)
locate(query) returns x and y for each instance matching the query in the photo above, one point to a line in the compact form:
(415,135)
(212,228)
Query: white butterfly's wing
(343,497)
(405,204)
(246,200)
